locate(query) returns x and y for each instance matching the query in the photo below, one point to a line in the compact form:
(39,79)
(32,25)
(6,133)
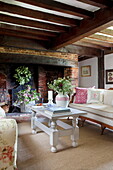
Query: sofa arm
(8,143)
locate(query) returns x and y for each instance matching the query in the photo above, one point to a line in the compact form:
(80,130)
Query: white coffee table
(39,117)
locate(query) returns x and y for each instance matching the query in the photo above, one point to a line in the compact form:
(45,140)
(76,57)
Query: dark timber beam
(10,41)
(83,51)
(98,42)
(24,35)
(86,44)
(86,28)
(101,71)
(34,59)
(27,30)
(37,14)
(57,6)
(98,3)
(82,58)
(107,31)
(31,23)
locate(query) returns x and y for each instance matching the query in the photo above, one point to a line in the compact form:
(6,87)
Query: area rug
(93,153)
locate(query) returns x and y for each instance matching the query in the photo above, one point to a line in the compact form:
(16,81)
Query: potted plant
(26,96)
(63,87)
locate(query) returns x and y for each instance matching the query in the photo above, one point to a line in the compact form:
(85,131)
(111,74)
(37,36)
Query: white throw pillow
(95,95)
(108,97)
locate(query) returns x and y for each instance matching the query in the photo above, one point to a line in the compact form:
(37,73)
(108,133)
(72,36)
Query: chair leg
(102,129)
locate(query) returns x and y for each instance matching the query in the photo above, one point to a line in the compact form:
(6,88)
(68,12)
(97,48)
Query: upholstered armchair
(8,143)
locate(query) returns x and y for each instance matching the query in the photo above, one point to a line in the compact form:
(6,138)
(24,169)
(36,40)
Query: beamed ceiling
(59,23)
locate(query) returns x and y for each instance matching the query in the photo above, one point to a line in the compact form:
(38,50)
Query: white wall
(108,63)
(93,79)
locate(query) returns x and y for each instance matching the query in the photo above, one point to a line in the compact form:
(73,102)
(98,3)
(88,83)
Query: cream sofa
(99,111)
(8,142)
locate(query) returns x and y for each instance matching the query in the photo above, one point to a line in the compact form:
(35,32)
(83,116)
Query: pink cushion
(81,95)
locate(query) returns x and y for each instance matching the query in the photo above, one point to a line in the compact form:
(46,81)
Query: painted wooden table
(39,117)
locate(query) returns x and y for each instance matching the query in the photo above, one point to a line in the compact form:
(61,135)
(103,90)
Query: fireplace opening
(41,74)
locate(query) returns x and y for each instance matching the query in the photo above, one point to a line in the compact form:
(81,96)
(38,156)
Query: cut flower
(61,85)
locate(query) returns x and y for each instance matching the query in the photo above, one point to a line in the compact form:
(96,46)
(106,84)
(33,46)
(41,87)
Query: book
(57,110)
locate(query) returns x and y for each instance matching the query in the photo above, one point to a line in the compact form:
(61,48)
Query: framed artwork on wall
(86,71)
(109,76)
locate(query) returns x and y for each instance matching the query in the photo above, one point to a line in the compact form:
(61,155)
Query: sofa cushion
(95,108)
(108,97)
(95,95)
(2,112)
(81,95)
(99,118)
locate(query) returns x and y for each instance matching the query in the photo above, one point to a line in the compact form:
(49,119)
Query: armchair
(8,143)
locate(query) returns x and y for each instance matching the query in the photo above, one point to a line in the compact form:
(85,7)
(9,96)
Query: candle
(50,95)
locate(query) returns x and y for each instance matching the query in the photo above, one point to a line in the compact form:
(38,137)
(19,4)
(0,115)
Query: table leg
(53,136)
(75,135)
(33,127)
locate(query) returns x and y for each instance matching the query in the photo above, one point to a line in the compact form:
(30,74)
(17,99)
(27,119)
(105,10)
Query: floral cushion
(95,96)
(8,144)
(81,95)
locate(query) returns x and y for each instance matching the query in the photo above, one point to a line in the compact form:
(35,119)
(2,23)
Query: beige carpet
(95,152)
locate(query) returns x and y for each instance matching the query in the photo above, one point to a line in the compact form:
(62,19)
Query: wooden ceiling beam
(102,38)
(60,7)
(87,27)
(37,14)
(31,23)
(27,30)
(88,44)
(83,50)
(107,31)
(98,3)
(20,42)
(98,42)
(82,58)
(24,35)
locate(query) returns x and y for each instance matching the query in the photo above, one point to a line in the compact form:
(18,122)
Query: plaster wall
(108,63)
(93,79)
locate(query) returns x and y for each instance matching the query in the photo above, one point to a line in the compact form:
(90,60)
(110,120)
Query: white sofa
(99,111)
(8,142)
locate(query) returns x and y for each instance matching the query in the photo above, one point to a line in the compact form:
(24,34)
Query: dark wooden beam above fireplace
(35,59)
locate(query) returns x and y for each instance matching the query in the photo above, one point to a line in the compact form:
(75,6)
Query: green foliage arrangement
(22,75)
(27,95)
(61,85)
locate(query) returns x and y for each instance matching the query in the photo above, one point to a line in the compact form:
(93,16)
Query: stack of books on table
(57,110)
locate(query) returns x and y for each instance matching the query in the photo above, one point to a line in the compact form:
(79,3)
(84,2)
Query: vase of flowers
(63,87)
(27,96)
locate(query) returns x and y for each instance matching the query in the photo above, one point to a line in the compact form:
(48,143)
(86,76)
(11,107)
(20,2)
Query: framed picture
(109,76)
(86,71)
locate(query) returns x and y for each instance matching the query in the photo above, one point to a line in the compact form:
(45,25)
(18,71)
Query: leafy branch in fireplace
(22,75)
